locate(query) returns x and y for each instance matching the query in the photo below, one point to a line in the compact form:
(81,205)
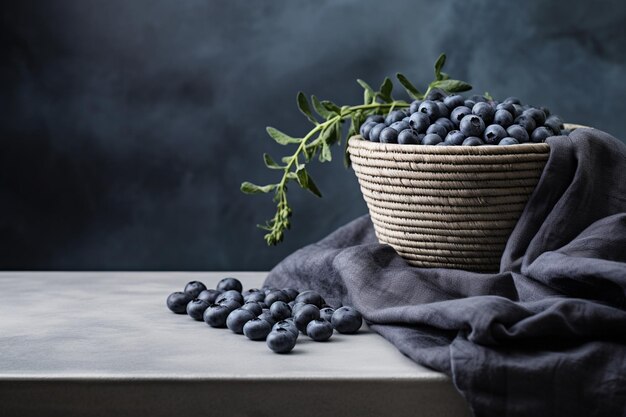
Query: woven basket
(447,206)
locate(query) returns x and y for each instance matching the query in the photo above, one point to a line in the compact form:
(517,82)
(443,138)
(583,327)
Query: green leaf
(409,87)
(303,105)
(488,96)
(320,109)
(270,163)
(325,154)
(451,86)
(444,76)
(281,137)
(385,90)
(249,188)
(441,61)
(368,92)
(306,182)
(356,119)
(331,106)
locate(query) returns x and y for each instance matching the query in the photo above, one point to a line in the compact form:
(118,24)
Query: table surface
(114,326)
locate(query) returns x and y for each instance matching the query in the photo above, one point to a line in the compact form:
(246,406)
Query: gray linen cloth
(546,336)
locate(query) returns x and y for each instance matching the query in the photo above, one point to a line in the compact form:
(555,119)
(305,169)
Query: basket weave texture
(447,206)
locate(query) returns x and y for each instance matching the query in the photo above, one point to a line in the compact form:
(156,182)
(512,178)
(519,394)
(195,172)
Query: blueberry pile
(452,120)
(277,316)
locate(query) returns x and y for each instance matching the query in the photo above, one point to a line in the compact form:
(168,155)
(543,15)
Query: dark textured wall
(126,127)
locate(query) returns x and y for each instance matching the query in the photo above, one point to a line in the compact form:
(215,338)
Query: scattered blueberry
(297,305)
(347,320)
(267,316)
(193,288)
(237,318)
(215,315)
(287,324)
(280,310)
(254,296)
(281,340)
(228,303)
(209,295)
(310,297)
(232,295)
(291,293)
(230,284)
(196,307)
(276,295)
(177,302)
(304,315)
(253,306)
(319,330)
(326,313)
(257,329)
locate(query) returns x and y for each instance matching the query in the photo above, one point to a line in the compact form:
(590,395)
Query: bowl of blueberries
(446,179)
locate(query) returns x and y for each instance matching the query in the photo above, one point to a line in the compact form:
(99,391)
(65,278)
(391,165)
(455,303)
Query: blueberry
(503,118)
(443,109)
(250,291)
(453,101)
(458,114)
(512,100)
(441,144)
(508,141)
(437,129)
(506,106)
(229,283)
(253,306)
(364,131)
(254,296)
(297,306)
(267,316)
(193,288)
(276,295)
(291,293)
(526,122)
(518,110)
(347,320)
(430,109)
(232,295)
(326,313)
(455,138)
(469,103)
(472,125)
(447,123)
(485,111)
(394,116)
(375,118)
(436,94)
(375,132)
(267,290)
(287,324)
(538,115)
(196,307)
(281,340)
(545,111)
(477,98)
(400,126)
(414,107)
(237,318)
(493,134)
(431,139)
(408,137)
(473,141)
(540,134)
(209,296)
(389,135)
(517,132)
(228,303)
(215,315)
(310,297)
(419,122)
(304,315)
(280,310)
(319,330)
(177,302)
(257,329)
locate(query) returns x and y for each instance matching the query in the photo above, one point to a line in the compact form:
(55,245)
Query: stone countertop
(102,343)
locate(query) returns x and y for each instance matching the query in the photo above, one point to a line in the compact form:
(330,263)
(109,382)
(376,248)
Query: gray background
(126,127)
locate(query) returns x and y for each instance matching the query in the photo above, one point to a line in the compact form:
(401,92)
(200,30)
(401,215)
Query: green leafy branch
(327,119)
